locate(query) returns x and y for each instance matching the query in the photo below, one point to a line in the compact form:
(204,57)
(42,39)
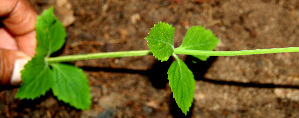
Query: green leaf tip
(160,41)
(50,33)
(182,83)
(199,38)
(68,83)
(71,86)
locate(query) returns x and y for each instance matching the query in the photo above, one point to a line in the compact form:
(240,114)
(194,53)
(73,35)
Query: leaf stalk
(98,56)
(236,53)
(176,51)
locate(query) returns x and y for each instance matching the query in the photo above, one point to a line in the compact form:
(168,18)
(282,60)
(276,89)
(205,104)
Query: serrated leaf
(50,33)
(37,79)
(198,38)
(182,83)
(68,83)
(71,86)
(160,41)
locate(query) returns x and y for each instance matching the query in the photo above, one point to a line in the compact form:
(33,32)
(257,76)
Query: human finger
(27,43)
(19,20)
(11,64)
(19,16)
(7,59)
(7,41)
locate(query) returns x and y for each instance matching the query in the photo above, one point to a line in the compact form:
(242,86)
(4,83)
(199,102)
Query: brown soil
(243,86)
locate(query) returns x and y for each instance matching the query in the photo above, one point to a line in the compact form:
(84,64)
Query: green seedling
(69,83)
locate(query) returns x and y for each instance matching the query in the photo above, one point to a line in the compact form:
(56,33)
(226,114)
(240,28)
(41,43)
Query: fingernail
(19,64)
(16,74)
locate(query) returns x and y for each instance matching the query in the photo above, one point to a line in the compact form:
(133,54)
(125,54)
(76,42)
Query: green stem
(176,51)
(175,56)
(98,56)
(235,53)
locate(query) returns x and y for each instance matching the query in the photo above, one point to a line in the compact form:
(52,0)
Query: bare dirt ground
(243,86)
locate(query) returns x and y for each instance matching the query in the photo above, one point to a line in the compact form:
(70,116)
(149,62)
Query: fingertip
(12,62)
(19,64)
(21,19)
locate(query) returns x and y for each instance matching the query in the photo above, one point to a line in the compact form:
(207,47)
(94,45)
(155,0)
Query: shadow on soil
(157,74)
(31,104)
(25,103)
(198,67)
(8,87)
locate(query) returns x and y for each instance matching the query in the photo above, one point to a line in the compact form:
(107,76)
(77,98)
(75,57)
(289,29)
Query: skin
(17,34)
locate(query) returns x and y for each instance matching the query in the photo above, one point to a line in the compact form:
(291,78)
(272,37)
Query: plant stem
(236,53)
(176,51)
(98,56)
(175,56)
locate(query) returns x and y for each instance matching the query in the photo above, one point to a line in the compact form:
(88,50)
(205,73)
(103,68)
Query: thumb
(11,64)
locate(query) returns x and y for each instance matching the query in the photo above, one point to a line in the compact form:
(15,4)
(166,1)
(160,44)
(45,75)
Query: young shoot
(70,85)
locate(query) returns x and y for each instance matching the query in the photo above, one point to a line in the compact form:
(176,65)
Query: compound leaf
(198,38)
(68,83)
(50,33)
(37,76)
(160,41)
(71,86)
(37,79)
(182,83)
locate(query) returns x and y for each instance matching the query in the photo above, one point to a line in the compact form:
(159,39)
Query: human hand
(17,38)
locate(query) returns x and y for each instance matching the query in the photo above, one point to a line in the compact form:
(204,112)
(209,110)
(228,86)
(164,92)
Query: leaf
(37,76)
(50,33)
(71,86)
(160,41)
(68,83)
(37,79)
(198,38)
(182,83)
